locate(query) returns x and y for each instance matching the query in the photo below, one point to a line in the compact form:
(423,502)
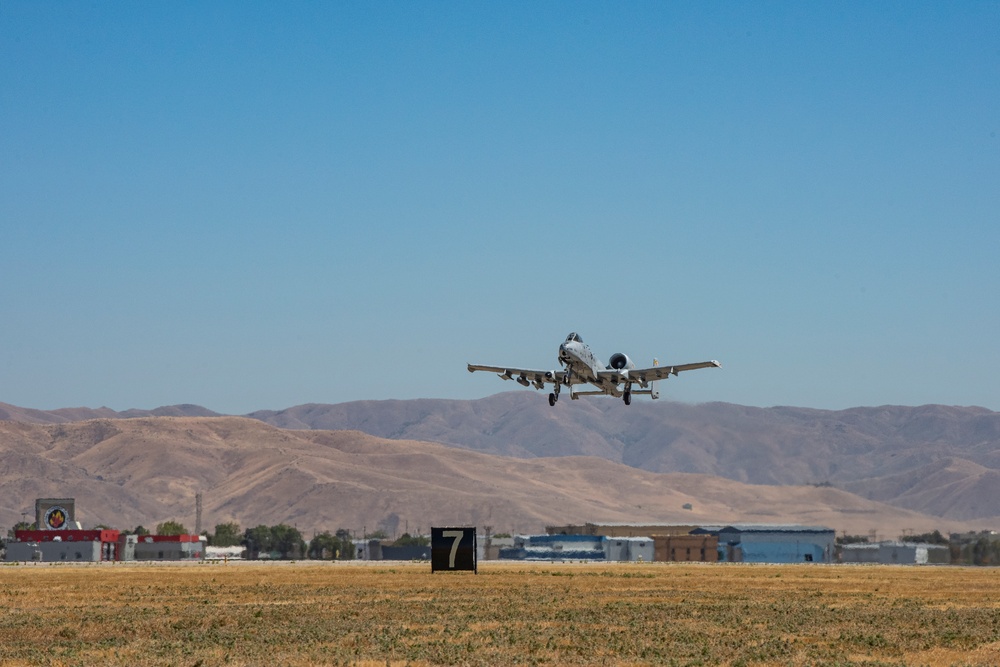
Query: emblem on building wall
(56,518)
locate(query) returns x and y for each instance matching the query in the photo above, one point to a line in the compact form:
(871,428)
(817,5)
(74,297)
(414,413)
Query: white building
(636,549)
(896,553)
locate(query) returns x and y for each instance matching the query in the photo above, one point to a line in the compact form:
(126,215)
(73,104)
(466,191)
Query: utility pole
(197,513)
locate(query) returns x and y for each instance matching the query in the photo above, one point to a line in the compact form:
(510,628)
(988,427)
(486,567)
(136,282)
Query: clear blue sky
(251,205)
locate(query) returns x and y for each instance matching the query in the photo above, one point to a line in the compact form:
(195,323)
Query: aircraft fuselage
(579,360)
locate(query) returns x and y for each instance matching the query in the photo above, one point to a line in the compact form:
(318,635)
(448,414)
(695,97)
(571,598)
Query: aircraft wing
(531,375)
(644,375)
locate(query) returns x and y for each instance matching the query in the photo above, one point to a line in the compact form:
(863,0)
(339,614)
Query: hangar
(772,543)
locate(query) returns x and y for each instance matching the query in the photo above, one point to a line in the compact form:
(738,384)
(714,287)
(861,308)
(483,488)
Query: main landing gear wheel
(553,398)
(627,398)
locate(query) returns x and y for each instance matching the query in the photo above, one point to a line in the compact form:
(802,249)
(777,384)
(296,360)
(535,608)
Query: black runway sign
(453,549)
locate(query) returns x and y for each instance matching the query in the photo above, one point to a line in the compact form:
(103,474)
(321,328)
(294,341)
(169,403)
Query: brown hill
(951,488)
(64,415)
(147,470)
(888,453)
(780,445)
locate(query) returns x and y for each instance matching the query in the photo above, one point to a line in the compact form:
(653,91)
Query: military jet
(580,366)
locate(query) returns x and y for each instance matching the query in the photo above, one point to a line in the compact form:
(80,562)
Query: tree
(258,540)
(985,551)
(324,546)
(336,547)
(288,541)
(226,535)
(344,544)
(407,540)
(171,528)
(20,525)
(927,538)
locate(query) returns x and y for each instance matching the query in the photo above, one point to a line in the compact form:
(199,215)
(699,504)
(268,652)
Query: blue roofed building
(772,543)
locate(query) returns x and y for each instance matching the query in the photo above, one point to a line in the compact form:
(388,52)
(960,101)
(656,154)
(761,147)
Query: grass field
(401,614)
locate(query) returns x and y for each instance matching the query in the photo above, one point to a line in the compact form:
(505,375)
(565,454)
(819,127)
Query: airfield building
(686,548)
(94,546)
(896,553)
(772,543)
(555,547)
(169,547)
(407,552)
(629,549)
(55,546)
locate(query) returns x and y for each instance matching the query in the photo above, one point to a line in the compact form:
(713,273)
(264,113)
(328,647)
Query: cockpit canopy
(574,338)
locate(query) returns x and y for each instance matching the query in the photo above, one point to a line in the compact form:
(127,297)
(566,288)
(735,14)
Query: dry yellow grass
(625,614)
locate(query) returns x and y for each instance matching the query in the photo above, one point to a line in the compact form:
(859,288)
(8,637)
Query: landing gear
(564,380)
(554,396)
(627,397)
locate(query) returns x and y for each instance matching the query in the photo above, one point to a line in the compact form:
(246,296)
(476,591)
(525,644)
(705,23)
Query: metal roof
(762,528)
(776,528)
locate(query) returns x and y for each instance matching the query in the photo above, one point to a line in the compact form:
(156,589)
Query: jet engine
(620,362)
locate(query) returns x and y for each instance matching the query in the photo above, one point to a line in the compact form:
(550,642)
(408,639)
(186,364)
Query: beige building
(686,548)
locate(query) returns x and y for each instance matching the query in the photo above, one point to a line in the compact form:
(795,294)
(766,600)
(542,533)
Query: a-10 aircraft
(580,366)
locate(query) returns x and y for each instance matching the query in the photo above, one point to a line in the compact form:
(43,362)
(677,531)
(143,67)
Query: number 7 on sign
(453,548)
(457,535)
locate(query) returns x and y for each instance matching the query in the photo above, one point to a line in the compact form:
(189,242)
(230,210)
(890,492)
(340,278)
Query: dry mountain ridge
(938,460)
(65,415)
(146,470)
(888,453)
